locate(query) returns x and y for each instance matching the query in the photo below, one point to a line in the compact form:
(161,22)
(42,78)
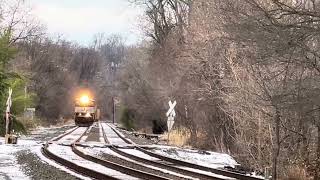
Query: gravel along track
(139,140)
(35,168)
(93,134)
(46,134)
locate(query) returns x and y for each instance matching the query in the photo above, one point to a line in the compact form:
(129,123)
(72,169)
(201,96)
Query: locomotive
(86,111)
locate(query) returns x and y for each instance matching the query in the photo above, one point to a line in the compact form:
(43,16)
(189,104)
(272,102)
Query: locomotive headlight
(84,99)
(87,115)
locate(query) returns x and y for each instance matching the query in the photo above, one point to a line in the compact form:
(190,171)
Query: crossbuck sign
(171,114)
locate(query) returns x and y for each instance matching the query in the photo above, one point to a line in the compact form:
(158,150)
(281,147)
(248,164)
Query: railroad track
(65,134)
(179,169)
(115,166)
(136,174)
(161,165)
(171,162)
(72,165)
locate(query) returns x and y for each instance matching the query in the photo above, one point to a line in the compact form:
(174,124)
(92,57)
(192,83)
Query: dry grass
(178,137)
(296,173)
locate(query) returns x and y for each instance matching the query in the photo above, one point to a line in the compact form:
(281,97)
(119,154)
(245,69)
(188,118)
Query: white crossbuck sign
(171,113)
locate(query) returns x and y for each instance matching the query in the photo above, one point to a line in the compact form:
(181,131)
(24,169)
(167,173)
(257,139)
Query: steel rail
(158,164)
(65,134)
(73,166)
(190,165)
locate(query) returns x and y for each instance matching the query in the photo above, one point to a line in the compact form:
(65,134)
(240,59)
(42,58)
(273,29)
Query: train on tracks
(86,111)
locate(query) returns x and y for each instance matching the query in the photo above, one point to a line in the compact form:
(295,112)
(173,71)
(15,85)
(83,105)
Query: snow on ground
(66,153)
(139,154)
(100,151)
(205,158)
(9,169)
(61,135)
(38,152)
(70,138)
(113,138)
(101,139)
(123,136)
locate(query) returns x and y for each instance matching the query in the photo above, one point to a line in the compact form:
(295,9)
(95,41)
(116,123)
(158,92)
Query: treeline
(45,72)
(60,68)
(245,74)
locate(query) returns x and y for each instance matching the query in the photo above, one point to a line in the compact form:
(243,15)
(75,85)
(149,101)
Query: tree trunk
(317,175)
(276,148)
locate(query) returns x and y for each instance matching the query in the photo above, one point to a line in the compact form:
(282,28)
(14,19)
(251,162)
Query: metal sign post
(171,115)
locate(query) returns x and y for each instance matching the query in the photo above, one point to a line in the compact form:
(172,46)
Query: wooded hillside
(245,75)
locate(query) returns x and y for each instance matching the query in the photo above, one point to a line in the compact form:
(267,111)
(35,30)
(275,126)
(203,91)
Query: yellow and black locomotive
(85,111)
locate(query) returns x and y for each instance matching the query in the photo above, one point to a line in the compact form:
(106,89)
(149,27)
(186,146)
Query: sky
(80,20)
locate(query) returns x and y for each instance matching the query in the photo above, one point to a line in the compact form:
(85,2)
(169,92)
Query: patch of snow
(9,168)
(101,139)
(139,154)
(70,138)
(93,144)
(123,136)
(205,172)
(68,131)
(113,138)
(207,158)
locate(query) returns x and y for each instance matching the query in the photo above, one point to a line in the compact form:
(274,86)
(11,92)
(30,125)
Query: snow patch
(204,158)
(9,168)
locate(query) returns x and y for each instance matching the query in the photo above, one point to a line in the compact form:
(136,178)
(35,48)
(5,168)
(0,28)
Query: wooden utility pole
(276,148)
(113,110)
(113,70)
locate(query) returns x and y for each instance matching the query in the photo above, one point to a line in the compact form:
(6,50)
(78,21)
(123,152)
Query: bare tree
(17,19)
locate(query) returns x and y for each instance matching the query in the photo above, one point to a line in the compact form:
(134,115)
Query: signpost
(29,113)
(9,138)
(9,103)
(171,115)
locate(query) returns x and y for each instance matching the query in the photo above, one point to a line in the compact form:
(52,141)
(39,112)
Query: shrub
(127,118)
(18,127)
(296,173)
(178,137)
(158,127)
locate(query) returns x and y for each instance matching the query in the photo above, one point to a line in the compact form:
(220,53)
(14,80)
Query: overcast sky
(79,20)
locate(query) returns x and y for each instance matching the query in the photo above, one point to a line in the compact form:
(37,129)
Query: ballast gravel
(138,139)
(35,168)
